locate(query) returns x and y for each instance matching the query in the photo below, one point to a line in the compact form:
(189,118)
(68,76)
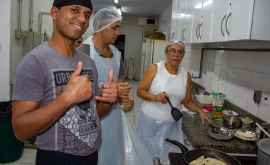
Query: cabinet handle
(222,24)
(227,23)
(185,141)
(197,31)
(200,30)
(173,35)
(184,34)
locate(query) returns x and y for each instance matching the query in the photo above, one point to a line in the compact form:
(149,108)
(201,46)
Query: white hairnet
(104,18)
(172,41)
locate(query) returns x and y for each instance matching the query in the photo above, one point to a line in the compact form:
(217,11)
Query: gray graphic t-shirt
(42,75)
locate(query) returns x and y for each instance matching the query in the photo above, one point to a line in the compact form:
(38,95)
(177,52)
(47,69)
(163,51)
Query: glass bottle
(246,123)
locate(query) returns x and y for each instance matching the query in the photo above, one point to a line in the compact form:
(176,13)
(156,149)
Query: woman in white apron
(155,122)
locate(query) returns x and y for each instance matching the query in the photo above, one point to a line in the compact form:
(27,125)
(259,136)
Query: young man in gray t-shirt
(56,95)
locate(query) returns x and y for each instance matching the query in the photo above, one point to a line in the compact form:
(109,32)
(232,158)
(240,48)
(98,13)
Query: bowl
(204,99)
(232,122)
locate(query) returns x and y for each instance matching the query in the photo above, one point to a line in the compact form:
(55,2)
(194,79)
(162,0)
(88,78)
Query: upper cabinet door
(182,19)
(220,13)
(197,14)
(177,20)
(187,34)
(204,30)
(261,21)
(173,23)
(178,17)
(195,21)
(239,20)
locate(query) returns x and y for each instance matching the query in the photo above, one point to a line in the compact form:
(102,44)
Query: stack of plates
(204,99)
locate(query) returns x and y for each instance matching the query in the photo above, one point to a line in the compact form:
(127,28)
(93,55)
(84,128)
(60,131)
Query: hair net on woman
(172,41)
(104,18)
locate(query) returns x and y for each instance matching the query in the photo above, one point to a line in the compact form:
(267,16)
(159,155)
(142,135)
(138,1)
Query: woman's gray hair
(172,41)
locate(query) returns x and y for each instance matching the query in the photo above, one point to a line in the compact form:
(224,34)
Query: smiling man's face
(71,21)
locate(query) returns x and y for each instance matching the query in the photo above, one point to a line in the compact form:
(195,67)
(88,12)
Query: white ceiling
(134,8)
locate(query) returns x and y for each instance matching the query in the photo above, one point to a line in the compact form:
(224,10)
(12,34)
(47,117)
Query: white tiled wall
(235,73)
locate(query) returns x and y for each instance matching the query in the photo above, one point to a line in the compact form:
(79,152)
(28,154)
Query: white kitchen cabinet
(240,20)
(182,20)
(177,20)
(221,20)
(173,22)
(220,13)
(197,14)
(202,21)
(189,17)
(206,21)
(186,8)
(261,21)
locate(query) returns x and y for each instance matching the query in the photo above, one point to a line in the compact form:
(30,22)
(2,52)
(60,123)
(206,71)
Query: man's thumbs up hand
(79,88)
(109,90)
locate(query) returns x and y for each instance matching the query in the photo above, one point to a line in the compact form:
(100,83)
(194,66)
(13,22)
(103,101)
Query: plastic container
(246,123)
(11,148)
(218,101)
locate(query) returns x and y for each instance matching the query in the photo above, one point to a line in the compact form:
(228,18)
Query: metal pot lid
(264,145)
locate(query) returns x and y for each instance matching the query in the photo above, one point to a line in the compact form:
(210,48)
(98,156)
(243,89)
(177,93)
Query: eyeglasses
(176,52)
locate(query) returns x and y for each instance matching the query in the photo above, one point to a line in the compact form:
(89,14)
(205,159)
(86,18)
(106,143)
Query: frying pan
(194,154)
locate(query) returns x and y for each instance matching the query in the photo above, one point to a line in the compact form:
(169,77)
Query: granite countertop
(199,138)
(197,133)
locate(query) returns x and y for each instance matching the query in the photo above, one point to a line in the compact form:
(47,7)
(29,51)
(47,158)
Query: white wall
(236,74)
(133,43)
(5,10)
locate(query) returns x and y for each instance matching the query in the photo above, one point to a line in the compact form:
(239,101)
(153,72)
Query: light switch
(0,46)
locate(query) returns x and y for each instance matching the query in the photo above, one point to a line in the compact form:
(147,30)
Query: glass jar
(246,123)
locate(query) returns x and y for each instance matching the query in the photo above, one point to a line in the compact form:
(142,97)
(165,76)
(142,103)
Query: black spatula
(176,113)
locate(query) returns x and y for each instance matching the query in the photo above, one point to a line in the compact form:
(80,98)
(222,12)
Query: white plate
(249,132)
(222,133)
(233,113)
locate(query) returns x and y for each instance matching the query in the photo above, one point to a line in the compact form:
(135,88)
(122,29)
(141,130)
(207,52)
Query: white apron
(155,122)
(120,144)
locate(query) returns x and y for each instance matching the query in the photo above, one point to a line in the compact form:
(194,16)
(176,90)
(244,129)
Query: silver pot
(263,154)
(232,122)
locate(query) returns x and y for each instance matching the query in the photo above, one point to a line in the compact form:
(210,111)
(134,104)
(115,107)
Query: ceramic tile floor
(29,155)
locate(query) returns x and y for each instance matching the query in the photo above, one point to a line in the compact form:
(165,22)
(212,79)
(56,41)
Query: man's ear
(54,12)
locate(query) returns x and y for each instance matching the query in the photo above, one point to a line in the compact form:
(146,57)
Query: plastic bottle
(246,123)
(214,97)
(218,101)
